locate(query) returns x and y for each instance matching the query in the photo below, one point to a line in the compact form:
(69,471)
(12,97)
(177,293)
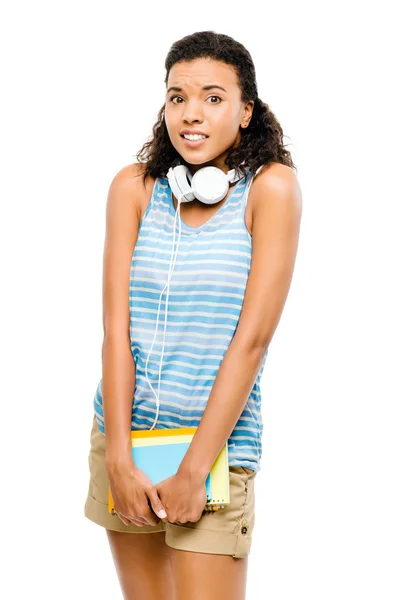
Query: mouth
(193,143)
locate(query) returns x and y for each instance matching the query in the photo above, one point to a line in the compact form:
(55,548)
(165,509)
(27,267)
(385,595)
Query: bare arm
(276,225)
(123,211)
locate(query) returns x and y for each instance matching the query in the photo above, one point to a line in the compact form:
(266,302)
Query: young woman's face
(217,113)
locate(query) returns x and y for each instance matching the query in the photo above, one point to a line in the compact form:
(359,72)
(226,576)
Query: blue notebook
(159,453)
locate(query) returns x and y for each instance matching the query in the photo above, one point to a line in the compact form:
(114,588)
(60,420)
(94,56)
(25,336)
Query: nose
(193,112)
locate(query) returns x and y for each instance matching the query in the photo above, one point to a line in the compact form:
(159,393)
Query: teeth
(194,137)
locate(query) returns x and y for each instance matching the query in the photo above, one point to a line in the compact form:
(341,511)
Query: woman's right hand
(132,491)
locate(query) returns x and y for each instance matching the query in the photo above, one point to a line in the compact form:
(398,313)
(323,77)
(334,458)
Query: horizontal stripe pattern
(205,301)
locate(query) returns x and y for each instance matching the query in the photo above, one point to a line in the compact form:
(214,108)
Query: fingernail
(162,514)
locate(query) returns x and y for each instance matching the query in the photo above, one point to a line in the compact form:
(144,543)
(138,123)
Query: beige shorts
(226,531)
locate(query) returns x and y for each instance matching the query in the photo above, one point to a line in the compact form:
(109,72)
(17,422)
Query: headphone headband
(209,184)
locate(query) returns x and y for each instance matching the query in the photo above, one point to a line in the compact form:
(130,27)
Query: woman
(231,273)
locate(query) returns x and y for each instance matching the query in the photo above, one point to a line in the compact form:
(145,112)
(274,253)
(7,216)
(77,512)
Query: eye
(173,97)
(214,97)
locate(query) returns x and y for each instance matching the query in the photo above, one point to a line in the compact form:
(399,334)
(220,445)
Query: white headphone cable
(170,271)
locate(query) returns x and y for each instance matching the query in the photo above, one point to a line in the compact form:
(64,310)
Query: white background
(82,83)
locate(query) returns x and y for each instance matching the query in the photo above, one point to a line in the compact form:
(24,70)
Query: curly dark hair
(261,142)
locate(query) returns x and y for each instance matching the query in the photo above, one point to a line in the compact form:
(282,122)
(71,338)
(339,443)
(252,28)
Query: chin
(194,160)
(199,159)
(196,163)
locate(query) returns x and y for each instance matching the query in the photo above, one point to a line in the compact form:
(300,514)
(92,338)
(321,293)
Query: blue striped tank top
(205,300)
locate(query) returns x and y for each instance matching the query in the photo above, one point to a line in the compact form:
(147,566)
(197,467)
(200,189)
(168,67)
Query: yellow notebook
(159,453)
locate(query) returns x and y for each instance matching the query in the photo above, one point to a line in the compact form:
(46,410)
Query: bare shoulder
(276,200)
(273,180)
(129,187)
(276,179)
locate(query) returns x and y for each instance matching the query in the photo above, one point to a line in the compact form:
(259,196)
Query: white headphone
(209,185)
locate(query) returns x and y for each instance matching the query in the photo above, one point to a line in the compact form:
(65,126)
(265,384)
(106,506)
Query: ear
(247,113)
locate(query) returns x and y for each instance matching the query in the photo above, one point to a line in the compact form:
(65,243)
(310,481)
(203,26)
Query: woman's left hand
(183,496)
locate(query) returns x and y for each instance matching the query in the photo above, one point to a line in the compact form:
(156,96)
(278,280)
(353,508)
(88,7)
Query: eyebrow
(205,87)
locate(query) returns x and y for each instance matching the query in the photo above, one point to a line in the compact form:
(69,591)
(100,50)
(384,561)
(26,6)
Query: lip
(192,132)
(194,143)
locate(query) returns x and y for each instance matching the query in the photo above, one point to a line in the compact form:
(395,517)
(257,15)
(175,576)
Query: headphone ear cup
(178,179)
(210,185)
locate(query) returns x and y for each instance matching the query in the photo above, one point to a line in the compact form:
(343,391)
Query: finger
(152,521)
(138,521)
(156,503)
(123,519)
(155,519)
(148,517)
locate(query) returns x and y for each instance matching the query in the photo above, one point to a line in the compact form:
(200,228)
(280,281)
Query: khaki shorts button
(244,530)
